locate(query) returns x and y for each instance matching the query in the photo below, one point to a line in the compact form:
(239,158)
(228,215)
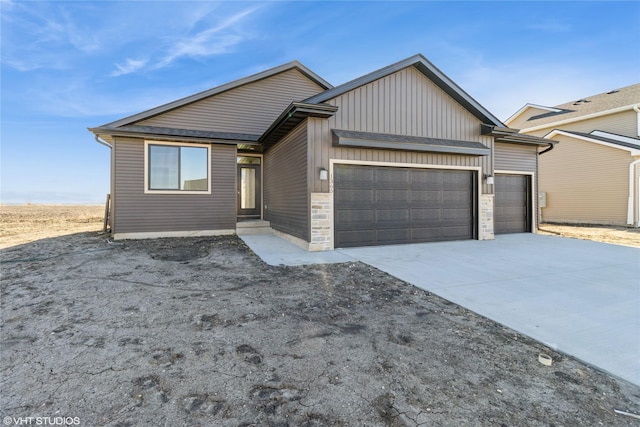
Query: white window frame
(175,144)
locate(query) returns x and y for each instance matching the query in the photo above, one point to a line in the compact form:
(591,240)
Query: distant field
(25,223)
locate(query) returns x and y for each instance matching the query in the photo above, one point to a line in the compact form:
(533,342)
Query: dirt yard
(200,331)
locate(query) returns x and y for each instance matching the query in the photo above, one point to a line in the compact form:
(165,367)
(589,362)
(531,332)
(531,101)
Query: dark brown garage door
(378,205)
(512,204)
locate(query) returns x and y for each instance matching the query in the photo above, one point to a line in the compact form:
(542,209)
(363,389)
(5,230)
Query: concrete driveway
(579,297)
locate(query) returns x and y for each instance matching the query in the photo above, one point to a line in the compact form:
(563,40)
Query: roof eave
(291,117)
(511,136)
(111,132)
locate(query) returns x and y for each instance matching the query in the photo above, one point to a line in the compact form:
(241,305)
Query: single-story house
(593,174)
(399,155)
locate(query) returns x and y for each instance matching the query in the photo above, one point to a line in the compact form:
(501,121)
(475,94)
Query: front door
(249,190)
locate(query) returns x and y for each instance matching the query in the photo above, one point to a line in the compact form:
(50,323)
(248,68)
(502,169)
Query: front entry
(249,188)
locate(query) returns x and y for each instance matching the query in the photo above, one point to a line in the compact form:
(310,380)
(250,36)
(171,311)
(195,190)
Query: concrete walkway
(579,297)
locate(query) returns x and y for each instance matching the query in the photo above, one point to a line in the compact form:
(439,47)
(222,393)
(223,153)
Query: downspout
(549,148)
(103,142)
(637,110)
(630,205)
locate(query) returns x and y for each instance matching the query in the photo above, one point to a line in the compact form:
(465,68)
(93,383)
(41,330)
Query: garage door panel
(354,196)
(348,218)
(425,197)
(392,195)
(356,237)
(458,233)
(456,216)
(408,205)
(391,178)
(512,213)
(425,215)
(392,236)
(392,216)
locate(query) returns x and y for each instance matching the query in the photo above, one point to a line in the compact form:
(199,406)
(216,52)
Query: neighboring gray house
(399,155)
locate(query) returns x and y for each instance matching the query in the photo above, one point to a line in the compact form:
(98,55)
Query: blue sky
(71,65)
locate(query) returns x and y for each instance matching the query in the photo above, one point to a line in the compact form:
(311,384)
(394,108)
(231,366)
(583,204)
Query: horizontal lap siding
(136,212)
(404,103)
(585,182)
(247,109)
(285,185)
(515,157)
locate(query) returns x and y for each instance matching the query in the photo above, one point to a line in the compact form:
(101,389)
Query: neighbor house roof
(603,138)
(430,71)
(603,103)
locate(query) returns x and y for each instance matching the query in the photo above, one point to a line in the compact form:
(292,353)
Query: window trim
(147,190)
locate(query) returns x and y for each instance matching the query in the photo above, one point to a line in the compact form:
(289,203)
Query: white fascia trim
(164,234)
(578,119)
(526,107)
(620,138)
(556,132)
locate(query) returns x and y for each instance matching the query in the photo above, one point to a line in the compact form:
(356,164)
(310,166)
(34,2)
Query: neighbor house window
(176,168)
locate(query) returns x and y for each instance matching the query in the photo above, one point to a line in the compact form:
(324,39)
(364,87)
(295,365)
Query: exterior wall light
(489,179)
(324,174)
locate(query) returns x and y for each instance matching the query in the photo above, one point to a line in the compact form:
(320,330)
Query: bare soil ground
(200,331)
(606,234)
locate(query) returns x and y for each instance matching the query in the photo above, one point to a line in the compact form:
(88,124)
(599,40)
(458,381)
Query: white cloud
(212,41)
(130,66)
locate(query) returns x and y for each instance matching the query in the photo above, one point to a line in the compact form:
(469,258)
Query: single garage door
(379,205)
(512,204)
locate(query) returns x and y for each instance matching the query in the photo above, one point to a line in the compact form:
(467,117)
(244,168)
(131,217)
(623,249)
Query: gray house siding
(285,184)
(248,109)
(515,157)
(137,212)
(403,103)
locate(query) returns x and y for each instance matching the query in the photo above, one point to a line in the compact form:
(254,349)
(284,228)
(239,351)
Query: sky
(67,66)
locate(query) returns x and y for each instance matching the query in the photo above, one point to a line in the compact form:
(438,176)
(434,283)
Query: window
(172,168)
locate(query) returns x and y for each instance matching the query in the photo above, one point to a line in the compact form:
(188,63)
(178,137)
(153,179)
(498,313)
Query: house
(593,175)
(399,155)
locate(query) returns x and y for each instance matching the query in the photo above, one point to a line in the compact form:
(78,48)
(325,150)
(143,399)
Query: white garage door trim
(534,191)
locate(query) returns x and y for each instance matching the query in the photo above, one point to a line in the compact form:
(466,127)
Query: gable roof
(604,138)
(604,103)
(430,71)
(219,89)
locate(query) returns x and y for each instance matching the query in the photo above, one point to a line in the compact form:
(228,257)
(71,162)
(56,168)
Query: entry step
(253,226)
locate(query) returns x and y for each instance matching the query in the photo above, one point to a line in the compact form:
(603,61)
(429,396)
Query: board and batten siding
(403,103)
(585,183)
(137,212)
(622,123)
(247,109)
(285,185)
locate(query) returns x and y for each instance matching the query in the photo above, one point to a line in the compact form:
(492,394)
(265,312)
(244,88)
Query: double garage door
(379,205)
